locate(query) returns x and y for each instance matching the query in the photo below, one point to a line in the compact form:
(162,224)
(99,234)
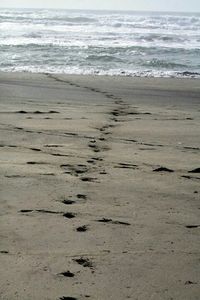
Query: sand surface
(97,200)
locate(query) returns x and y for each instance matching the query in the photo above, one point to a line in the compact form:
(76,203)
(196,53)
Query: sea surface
(100,42)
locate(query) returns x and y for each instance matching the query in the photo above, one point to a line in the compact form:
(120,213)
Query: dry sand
(88,210)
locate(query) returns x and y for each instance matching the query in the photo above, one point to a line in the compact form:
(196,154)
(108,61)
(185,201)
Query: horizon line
(105,9)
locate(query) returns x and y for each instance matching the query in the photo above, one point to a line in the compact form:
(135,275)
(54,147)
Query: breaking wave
(104,43)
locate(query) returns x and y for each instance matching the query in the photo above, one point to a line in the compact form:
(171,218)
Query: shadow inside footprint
(90,161)
(81,196)
(189,177)
(163,169)
(67,298)
(21,112)
(192,226)
(53,112)
(69,215)
(104,220)
(82,228)
(4,252)
(190,282)
(26,210)
(44,211)
(88,179)
(197,170)
(14,176)
(126,166)
(38,112)
(75,170)
(97,158)
(67,274)
(68,202)
(35,149)
(103,173)
(85,262)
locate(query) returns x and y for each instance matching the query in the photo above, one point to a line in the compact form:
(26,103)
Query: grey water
(145,44)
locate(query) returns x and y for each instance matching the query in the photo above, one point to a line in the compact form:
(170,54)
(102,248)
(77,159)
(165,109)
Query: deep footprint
(69,215)
(26,210)
(163,169)
(197,170)
(82,228)
(67,274)
(4,252)
(68,202)
(85,262)
(67,298)
(192,226)
(88,179)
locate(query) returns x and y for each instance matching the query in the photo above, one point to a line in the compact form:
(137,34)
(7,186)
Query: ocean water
(100,42)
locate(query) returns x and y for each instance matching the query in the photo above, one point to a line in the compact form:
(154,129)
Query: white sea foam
(108,43)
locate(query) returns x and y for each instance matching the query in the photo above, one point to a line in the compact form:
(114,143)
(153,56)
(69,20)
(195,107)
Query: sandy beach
(99,188)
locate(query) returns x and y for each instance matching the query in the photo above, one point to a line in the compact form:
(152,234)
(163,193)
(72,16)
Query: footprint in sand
(126,166)
(85,262)
(163,169)
(192,226)
(197,170)
(88,179)
(69,215)
(81,196)
(110,221)
(67,274)
(67,298)
(4,252)
(82,228)
(68,202)
(74,170)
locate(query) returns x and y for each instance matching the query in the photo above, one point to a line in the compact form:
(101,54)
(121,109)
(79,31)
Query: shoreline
(98,74)
(156,80)
(99,187)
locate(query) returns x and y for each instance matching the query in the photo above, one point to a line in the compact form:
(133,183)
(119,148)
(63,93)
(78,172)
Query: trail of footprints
(84,172)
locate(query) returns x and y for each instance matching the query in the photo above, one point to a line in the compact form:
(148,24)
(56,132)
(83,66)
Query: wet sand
(99,188)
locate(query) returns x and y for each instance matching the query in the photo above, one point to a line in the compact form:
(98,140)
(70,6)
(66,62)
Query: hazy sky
(167,5)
